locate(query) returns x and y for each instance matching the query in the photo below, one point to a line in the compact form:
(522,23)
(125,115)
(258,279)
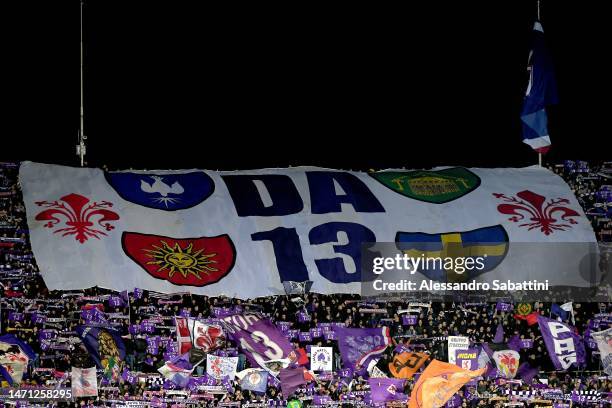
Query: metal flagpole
(539,154)
(80,149)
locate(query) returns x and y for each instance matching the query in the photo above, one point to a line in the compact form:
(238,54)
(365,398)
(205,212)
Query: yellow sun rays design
(183,260)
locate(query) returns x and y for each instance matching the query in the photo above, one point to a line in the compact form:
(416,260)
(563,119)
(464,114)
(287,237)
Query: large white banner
(243,233)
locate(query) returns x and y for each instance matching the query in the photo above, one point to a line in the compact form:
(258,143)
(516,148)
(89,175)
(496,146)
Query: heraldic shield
(186,261)
(168,192)
(485,248)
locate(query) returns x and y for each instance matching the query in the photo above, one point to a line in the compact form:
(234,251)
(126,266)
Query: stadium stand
(47,322)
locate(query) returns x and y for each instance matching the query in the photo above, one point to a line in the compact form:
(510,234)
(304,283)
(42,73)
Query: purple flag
(15,316)
(330,335)
(358,346)
(284,326)
(303,317)
(305,336)
(137,293)
(345,373)
(257,349)
(38,317)
(503,307)
(316,332)
(409,320)
(387,389)
(526,343)
(564,346)
(401,348)
(47,334)
(454,402)
(321,399)
(273,381)
(291,379)
(222,312)
(153,345)
(115,301)
(515,343)
(499,334)
(467,359)
(527,372)
(147,327)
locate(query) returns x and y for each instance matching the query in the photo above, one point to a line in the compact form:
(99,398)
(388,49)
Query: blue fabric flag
(105,347)
(255,380)
(556,310)
(541,91)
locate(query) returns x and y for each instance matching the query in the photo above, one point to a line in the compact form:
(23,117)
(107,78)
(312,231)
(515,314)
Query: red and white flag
(192,333)
(84,382)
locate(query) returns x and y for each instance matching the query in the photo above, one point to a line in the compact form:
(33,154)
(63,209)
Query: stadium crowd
(47,321)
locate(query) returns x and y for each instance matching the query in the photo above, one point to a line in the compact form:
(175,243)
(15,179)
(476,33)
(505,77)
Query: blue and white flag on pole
(541,91)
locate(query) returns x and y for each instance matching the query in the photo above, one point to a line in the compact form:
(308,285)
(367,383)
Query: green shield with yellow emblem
(437,187)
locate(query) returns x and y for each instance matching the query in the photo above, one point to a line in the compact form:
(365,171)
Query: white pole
(538,10)
(540,159)
(82,137)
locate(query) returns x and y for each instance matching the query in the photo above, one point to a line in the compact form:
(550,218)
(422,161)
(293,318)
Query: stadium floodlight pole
(80,148)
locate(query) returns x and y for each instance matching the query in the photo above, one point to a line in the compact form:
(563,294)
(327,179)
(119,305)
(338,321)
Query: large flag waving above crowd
(541,91)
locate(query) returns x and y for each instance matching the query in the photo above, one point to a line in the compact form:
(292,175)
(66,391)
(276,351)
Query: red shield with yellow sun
(187,261)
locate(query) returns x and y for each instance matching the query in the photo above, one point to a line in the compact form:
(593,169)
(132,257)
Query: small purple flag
(409,320)
(115,301)
(305,336)
(504,307)
(499,334)
(15,316)
(137,293)
(527,373)
(330,335)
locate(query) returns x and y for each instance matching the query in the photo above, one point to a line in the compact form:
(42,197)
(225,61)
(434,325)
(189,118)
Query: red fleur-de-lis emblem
(548,216)
(79,216)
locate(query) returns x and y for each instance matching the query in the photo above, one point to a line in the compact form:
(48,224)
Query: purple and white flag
(359,346)
(564,346)
(15,316)
(409,320)
(116,301)
(259,339)
(387,389)
(330,335)
(305,336)
(303,317)
(504,307)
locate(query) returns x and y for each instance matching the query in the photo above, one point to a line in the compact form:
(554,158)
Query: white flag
(321,358)
(569,307)
(84,382)
(604,343)
(220,367)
